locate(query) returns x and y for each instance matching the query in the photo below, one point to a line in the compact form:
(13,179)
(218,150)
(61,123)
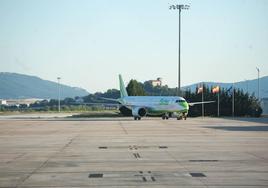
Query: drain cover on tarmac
(95,175)
(197,174)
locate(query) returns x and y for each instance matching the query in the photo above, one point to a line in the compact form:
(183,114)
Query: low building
(18,102)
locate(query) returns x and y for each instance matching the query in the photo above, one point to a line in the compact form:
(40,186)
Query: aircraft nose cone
(185,105)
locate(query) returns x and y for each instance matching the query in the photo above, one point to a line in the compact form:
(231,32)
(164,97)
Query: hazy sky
(88,43)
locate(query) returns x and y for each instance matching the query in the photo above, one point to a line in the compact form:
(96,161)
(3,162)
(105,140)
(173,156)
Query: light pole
(203,111)
(258,82)
(233,102)
(179,7)
(59,93)
(247,84)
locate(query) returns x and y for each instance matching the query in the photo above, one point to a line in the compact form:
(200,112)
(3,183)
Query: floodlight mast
(258,82)
(179,7)
(58,93)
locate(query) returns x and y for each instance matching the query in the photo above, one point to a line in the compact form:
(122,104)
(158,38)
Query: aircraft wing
(194,103)
(95,103)
(102,103)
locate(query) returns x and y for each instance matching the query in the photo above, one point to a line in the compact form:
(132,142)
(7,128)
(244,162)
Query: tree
(111,93)
(135,88)
(68,101)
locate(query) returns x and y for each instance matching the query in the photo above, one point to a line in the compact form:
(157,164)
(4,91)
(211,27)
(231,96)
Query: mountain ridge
(250,86)
(21,86)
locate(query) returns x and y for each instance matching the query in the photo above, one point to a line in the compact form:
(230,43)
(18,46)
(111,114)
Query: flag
(200,89)
(216,89)
(230,90)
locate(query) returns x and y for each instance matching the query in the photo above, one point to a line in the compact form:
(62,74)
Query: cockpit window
(177,101)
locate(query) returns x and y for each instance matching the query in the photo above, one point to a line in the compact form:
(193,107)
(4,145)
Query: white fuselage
(156,104)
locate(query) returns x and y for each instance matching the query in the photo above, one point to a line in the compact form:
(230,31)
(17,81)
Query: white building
(264,106)
(157,82)
(3,102)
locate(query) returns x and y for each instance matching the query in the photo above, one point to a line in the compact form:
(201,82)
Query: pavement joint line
(258,157)
(44,163)
(15,158)
(122,126)
(34,171)
(203,181)
(69,143)
(203,160)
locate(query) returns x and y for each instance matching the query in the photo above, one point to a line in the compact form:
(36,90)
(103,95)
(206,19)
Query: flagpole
(219,103)
(203,99)
(233,102)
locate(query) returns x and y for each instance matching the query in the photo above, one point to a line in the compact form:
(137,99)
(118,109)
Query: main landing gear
(179,118)
(165,116)
(137,118)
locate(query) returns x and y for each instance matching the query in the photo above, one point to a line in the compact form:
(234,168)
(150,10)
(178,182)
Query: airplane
(165,106)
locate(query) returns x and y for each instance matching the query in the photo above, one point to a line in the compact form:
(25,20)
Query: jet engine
(139,112)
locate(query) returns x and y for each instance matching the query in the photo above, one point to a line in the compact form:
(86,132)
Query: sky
(89,42)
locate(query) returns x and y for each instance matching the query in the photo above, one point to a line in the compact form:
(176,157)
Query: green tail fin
(123,91)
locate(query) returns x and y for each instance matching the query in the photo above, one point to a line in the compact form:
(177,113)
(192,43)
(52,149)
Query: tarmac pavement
(121,152)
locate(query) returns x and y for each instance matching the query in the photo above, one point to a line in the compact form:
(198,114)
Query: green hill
(20,86)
